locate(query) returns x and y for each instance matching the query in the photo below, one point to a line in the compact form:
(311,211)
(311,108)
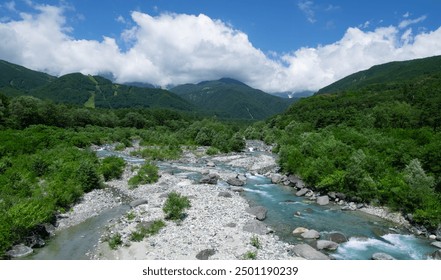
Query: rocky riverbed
(219,224)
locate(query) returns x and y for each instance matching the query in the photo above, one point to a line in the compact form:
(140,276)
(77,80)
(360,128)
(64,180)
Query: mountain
(15,78)
(393,72)
(229,98)
(86,90)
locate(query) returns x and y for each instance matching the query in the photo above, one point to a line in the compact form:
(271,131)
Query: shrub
(112,167)
(147,174)
(115,241)
(175,205)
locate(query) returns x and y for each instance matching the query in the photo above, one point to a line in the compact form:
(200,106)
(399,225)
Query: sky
(272,45)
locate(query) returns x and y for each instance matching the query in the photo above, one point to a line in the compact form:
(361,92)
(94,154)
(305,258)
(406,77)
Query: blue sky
(286,45)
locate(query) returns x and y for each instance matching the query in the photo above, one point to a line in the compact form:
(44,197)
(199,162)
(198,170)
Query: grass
(250,255)
(147,230)
(147,174)
(255,242)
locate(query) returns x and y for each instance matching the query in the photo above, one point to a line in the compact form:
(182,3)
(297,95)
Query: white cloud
(179,48)
(120,19)
(405,23)
(307,7)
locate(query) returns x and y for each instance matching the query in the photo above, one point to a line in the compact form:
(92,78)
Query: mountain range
(225,98)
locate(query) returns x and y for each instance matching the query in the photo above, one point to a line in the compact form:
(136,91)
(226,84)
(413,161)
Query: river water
(366,234)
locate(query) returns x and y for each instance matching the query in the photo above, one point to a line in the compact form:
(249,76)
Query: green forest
(46,163)
(379,142)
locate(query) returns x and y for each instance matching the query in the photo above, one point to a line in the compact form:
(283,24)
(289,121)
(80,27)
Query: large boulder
(258,211)
(323,200)
(205,254)
(296,181)
(300,230)
(327,245)
(237,189)
(309,253)
(302,192)
(225,194)
(337,237)
(436,255)
(19,251)
(35,241)
(438,233)
(436,244)
(255,226)
(209,179)
(276,178)
(311,234)
(235,182)
(382,257)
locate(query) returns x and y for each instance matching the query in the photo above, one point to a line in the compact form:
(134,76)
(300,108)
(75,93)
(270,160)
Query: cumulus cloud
(178,48)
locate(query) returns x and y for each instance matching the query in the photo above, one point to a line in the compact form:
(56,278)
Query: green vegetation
(250,255)
(255,242)
(115,241)
(146,230)
(379,143)
(147,174)
(175,205)
(112,167)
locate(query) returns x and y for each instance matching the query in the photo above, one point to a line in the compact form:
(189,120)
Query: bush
(250,255)
(115,241)
(175,205)
(147,174)
(112,167)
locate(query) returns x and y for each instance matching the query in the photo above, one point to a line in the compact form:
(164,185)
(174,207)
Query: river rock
(241,177)
(19,251)
(237,189)
(436,244)
(332,195)
(210,164)
(138,202)
(432,237)
(337,237)
(35,241)
(205,254)
(225,194)
(276,178)
(255,226)
(309,253)
(209,179)
(340,196)
(311,234)
(323,200)
(302,192)
(382,257)
(327,245)
(300,230)
(436,255)
(296,181)
(258,211)
(235,182)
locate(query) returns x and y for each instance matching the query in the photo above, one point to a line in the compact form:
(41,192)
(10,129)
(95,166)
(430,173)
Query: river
(366,234)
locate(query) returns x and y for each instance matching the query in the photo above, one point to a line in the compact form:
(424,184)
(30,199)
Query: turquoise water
(367,234)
